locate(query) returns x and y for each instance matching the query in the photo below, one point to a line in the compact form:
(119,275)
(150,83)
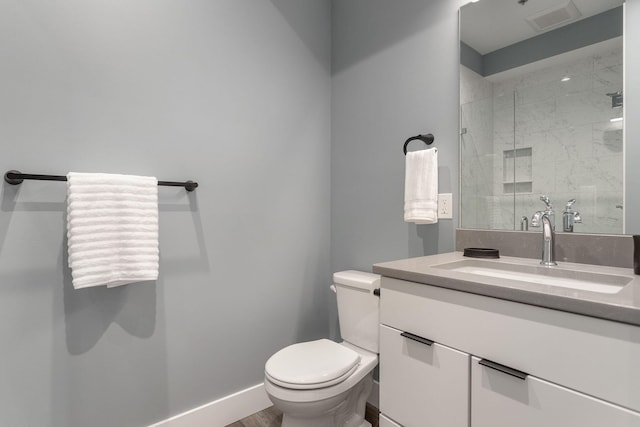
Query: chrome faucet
(547,219)
(570,217)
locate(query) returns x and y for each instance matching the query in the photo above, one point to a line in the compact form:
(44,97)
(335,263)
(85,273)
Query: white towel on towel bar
(112,229)
(421,187)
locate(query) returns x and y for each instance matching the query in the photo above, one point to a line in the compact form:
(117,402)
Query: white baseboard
(222,412)
(234,407)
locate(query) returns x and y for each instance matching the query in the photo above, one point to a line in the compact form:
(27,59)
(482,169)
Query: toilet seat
(312,365)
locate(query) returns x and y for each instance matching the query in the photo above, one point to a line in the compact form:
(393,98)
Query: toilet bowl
(336,402)
(322,383)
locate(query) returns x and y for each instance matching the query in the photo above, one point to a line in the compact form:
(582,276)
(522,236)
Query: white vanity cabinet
(579,370)
(386,422)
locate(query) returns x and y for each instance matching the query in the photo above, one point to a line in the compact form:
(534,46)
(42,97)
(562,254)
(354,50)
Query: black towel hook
(427,139)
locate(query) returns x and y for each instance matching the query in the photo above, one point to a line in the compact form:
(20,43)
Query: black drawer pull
(504,369)
(417,338)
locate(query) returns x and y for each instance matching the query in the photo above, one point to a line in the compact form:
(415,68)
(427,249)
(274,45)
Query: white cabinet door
(422,385)
(502,400)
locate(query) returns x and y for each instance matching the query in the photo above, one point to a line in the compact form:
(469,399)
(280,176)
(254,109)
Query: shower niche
(516,171)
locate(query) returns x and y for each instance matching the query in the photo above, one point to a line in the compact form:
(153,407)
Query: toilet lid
(312,364)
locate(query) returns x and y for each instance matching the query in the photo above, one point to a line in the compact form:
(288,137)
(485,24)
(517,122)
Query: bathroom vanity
(504,342)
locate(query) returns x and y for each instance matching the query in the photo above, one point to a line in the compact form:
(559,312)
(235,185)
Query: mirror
(541,113)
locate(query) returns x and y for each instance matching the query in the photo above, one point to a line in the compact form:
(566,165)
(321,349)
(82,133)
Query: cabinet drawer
(386,422)
(594,356)
(422,385)
(500,400)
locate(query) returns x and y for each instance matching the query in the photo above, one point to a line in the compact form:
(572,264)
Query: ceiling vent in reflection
(554,17)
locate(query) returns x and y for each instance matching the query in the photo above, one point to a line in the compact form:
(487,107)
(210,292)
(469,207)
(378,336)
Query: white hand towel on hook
(112,229)
(421,187)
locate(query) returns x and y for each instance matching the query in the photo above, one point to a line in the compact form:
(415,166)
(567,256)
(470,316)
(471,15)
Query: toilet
(323,383)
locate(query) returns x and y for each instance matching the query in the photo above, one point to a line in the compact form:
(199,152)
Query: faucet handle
(535,219)
(547,201)
(577,218)
(570,203)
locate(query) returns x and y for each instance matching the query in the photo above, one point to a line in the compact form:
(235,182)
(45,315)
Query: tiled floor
(271,417)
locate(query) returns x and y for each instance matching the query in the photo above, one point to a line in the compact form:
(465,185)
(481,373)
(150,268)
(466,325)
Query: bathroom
(290,114)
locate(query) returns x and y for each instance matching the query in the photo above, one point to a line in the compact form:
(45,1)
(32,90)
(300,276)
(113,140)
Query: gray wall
(395,75)
(233,94)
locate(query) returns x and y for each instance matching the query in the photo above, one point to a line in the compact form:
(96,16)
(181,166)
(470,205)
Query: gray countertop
(622,306)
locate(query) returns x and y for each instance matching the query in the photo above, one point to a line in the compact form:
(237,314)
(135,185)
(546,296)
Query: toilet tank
(358,308)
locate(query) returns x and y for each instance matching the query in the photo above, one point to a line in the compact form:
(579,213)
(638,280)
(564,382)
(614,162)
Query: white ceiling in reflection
(509,19)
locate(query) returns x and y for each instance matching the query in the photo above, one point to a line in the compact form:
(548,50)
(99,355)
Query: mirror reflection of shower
(535,120)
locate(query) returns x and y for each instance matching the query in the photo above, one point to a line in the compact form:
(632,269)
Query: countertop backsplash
(598,249)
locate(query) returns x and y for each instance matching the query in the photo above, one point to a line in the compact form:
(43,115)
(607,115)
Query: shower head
(616,99)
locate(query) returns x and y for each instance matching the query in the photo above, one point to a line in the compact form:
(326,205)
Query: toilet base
(344,410)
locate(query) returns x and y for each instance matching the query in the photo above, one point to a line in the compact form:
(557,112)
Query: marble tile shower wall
(477,150)
(575,150)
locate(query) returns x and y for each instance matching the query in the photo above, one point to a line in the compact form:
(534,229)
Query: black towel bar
(14,177)
(427,139)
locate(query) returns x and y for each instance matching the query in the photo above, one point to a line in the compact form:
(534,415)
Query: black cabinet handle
(376,292)
(417,338)
(504,369)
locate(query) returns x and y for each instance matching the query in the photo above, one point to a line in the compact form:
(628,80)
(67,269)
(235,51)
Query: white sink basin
(552,276)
